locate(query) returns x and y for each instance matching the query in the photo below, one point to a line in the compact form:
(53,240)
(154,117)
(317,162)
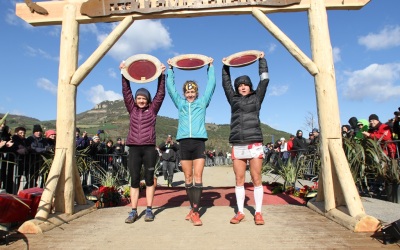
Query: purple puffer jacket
(142,122)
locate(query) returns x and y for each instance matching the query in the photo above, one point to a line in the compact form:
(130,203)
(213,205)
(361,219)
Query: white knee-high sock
(239,192)
(258,197)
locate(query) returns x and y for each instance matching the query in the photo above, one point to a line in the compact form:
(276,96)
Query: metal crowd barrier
(19,172)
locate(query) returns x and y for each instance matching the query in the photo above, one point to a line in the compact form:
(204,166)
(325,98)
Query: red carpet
(216,196)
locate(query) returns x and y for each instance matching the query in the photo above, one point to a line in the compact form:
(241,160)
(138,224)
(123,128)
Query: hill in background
(112,117)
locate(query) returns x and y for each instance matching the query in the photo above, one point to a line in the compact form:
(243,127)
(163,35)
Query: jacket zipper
(190,120)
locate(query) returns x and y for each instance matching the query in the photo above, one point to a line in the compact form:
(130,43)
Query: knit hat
(373,117)
(143,92)
(282,139)
(95,138)
(37,128)
(78,130)
(315,130)
(50,132)
(243,80)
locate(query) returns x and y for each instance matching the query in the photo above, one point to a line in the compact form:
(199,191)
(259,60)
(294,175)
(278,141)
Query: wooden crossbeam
(55,10)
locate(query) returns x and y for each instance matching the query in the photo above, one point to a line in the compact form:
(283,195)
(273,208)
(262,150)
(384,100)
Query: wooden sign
(98,8)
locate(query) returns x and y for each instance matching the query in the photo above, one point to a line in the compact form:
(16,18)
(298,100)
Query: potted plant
(107,194)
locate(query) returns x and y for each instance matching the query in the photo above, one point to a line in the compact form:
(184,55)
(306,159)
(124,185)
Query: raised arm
(211,82)
(227,82)
(160,95)
(264,78)
(126,90)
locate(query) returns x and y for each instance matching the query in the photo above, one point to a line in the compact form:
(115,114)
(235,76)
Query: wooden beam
(55,9)
(100,52)
(296,52)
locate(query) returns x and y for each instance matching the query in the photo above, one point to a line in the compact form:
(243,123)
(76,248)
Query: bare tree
(310,121)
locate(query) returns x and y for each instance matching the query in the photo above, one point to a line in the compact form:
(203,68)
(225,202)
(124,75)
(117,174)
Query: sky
(365,43)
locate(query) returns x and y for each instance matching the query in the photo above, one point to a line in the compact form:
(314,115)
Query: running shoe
(195,219)
(149,216)
(189,215)
(237,218)
(258,219)
(133,216)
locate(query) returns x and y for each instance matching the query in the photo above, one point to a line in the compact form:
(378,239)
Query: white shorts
(248,151)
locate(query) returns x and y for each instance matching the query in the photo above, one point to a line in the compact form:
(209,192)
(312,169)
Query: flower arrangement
(306,191)
(107,196)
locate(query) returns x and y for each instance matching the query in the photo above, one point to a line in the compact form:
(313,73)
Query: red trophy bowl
(142,68)
(189,61)
(243,58)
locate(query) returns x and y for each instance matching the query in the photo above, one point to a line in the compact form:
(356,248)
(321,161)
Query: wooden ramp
(287,227)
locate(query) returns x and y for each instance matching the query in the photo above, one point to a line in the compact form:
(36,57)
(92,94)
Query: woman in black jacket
(246,136)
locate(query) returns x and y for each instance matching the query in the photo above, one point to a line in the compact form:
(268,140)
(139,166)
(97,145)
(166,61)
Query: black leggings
(138,156)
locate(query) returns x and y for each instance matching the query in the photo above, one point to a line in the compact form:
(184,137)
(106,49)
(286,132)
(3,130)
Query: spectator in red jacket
(381,132)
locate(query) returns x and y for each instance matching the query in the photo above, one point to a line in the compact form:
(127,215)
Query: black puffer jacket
(245,110)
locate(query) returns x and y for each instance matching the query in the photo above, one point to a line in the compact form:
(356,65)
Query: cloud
(277,91)
(39,53)
(336,54)
(142,37)
(387,38)
(378,82)
(97,94)
(112,73)
(271,48)
(47,85)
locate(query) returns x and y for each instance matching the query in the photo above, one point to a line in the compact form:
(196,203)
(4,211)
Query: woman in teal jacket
(192,134)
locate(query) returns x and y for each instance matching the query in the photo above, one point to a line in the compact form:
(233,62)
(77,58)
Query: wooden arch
(337,198)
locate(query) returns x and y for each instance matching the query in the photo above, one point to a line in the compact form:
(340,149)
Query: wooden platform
(287,227)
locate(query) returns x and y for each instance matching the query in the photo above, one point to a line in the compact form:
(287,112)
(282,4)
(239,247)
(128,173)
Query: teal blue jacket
(192,116)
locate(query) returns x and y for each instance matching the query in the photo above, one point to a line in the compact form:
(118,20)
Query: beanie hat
(243,80)
(143,92)
(95,137)
(315,130)
(37,128)
(373,117)
(50,132)
(78,130)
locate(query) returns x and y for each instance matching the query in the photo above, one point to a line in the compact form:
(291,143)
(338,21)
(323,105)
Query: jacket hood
(243,80)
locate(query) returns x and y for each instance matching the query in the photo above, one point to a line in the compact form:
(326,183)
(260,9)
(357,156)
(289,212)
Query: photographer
(82,142)
(168,149)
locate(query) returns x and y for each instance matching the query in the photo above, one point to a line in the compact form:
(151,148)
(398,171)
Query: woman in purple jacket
(141,140)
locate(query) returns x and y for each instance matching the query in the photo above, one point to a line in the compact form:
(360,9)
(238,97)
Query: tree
(311,121)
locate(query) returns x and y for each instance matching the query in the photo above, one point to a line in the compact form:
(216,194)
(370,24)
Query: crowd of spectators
(385,133)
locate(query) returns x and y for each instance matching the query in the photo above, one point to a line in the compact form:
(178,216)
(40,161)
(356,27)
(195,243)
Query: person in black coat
(246,136)
(300,144)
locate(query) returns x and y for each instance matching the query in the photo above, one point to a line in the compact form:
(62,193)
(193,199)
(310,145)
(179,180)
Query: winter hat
(143,92)
(95,137)
(243,80)
(315,130)
(78,130)
(50,132)
(373,117)
(282,139)
(298,132)
(37,128)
